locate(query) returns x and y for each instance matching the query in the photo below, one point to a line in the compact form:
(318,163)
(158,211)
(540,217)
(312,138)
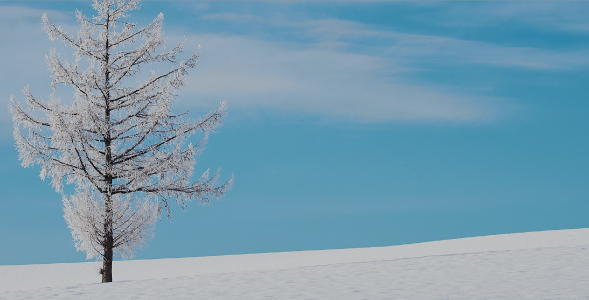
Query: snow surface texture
(535,265)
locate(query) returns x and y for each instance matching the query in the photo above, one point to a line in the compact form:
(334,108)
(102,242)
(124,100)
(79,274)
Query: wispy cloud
(554,15)
(355,71)
(417,49)
(334,68)
(232,17)
(320,80)
(22,55)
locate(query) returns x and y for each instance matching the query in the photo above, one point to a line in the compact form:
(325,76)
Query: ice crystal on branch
(118,143)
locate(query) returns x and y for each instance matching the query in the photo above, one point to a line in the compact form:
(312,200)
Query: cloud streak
(414,49)
(332,68)
(321,81)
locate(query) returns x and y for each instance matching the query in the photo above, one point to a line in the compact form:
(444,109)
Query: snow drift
(534,265)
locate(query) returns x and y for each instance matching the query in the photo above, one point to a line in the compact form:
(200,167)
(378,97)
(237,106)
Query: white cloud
(342,69)
(320,80)
(232,17)
(22,56)
(412,49)
(555,15)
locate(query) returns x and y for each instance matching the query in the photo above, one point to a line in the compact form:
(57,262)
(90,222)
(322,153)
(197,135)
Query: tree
(117,142)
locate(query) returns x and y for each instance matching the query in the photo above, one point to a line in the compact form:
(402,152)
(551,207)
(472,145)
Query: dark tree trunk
(108,242)
(106,270)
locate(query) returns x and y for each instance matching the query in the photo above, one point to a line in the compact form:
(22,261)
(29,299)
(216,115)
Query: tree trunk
(106,270)
(108,242)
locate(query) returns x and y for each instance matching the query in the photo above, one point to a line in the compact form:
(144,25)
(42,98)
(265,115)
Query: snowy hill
(534,265)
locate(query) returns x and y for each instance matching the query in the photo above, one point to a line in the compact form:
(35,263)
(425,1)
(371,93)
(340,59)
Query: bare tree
(117,142)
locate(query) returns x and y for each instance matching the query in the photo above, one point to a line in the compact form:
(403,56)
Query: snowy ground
(535,265)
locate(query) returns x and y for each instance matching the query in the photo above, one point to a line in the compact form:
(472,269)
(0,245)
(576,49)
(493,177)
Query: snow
(534,265)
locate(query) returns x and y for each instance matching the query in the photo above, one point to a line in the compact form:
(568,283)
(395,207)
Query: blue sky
(351,124)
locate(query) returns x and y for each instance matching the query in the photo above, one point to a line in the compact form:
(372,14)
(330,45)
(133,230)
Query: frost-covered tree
(116,141)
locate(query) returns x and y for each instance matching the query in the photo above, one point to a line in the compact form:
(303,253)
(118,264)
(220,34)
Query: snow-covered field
(535,265)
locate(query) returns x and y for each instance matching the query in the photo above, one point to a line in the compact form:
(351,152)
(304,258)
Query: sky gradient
(351,124)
